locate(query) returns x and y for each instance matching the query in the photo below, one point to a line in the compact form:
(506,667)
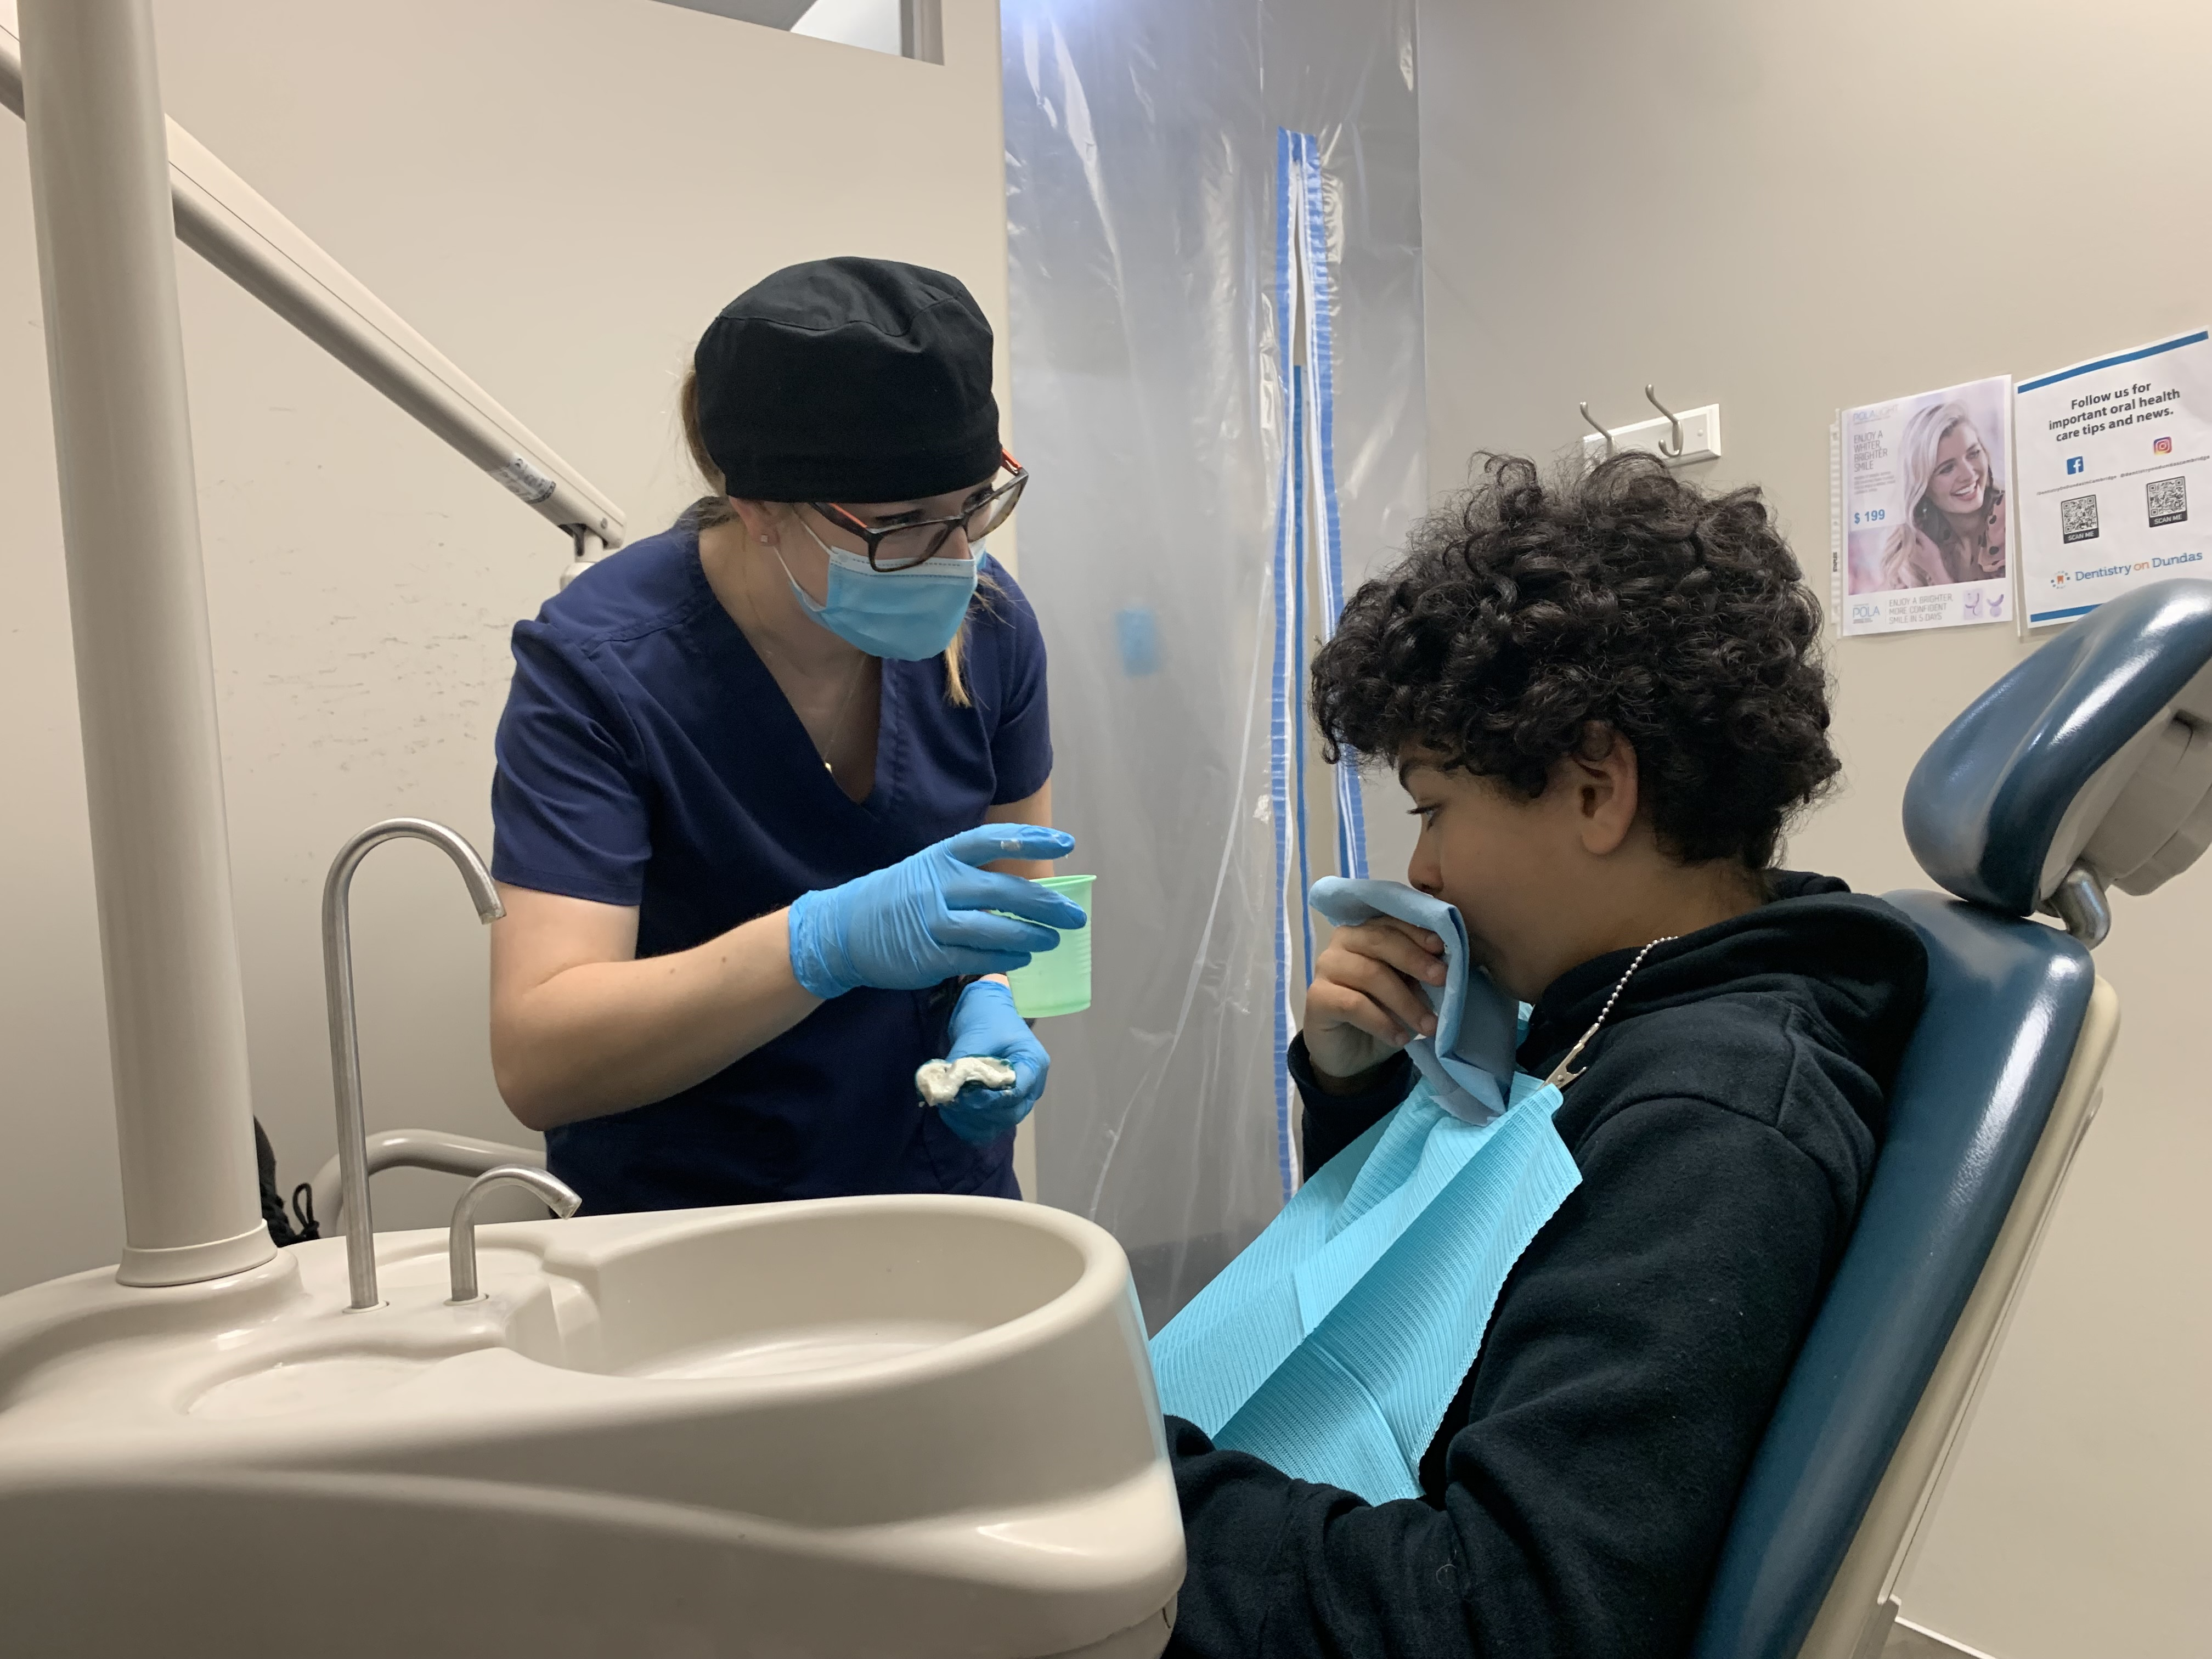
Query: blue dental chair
(2088,766)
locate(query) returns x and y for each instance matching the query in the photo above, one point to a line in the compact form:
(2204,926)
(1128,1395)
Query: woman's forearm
(605,1037)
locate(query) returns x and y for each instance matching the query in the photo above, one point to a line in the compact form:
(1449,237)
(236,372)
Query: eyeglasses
(902,546)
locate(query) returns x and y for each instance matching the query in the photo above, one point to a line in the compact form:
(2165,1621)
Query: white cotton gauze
(941,1080)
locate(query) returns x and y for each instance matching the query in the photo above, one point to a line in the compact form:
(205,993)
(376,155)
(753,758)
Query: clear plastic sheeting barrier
(1143,141)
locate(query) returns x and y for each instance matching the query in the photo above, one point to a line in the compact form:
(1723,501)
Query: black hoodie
(1579,1487)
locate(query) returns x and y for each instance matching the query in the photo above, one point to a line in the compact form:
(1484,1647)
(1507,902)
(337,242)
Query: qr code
(2169,501)
(2077,519)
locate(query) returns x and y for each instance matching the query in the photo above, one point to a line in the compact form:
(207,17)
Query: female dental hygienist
(751,769)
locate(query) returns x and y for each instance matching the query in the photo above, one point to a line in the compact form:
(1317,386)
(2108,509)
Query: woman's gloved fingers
(988,889)
(975,1100)
(962,962)
(979,1115)
(984,1122)
(926,917)
(987,843)
(1031,1063)
(985,930)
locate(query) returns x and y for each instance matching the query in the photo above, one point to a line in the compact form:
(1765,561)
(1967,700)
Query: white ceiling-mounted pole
(176,1012)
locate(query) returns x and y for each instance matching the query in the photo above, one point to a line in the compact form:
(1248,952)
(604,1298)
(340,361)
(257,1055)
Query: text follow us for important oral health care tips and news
(2115,468)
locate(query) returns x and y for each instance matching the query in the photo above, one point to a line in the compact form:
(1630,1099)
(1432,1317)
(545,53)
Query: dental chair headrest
(2089,765)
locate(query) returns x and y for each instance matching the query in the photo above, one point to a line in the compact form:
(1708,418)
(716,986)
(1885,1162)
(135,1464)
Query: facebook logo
(2076,464)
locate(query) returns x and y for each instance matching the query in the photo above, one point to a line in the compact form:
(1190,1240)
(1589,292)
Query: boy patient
(1603,698)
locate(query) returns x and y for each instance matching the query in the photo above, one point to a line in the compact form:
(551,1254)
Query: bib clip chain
(1563,1073)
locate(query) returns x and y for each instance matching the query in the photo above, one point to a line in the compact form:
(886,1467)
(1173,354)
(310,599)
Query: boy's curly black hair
(1525,616)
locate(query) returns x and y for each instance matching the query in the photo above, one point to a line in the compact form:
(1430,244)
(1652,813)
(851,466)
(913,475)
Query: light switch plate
(1701,437)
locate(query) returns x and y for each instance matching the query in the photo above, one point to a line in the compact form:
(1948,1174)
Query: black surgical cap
(848,380)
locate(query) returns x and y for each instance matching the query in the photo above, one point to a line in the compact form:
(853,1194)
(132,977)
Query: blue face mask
(906,615)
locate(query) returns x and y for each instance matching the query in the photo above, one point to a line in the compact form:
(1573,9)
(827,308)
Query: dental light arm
(224,220)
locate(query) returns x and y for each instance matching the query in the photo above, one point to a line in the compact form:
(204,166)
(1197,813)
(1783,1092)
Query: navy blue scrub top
(647,758)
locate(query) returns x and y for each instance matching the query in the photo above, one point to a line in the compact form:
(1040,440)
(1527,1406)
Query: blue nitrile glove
(929,917)
(984,1023)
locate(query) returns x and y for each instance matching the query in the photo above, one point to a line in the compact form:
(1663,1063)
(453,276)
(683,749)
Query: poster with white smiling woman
(1924,484)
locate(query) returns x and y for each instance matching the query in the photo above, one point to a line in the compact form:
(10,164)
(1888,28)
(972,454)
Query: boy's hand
(1363,1006)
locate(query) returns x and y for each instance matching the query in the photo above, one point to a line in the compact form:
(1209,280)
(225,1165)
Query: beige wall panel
(1785,209)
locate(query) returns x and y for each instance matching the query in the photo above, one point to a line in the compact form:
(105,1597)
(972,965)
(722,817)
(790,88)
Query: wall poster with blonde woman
(1926,483)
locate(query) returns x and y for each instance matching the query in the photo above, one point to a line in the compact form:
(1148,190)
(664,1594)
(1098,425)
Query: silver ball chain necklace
(1563,1072)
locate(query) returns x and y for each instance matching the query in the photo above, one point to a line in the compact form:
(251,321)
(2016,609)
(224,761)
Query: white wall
(1790,207)
(561,194)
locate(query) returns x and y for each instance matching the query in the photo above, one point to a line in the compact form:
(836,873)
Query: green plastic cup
(1058,981)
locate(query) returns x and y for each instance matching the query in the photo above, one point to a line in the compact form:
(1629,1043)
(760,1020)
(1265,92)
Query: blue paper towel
(1469,1061)
(1332,1345)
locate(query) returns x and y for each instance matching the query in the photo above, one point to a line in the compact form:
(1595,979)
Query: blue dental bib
(1332,1345)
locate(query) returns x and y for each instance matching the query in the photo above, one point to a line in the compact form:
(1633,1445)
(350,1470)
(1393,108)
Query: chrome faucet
(461,1237)
(345,1041)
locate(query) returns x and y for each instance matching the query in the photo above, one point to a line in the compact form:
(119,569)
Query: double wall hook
(1673,425)
(1608,436)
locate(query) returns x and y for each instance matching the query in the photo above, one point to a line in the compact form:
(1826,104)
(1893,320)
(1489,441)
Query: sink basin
(811,1347)
(299,1385)
(877,1427)
(815,1287)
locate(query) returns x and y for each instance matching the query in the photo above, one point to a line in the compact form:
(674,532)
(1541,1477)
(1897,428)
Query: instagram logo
(2162,445)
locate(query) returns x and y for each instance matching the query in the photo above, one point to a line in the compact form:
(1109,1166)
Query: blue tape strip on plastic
(1280,727)
(1297,687)
(1320,300)
(1307,400)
